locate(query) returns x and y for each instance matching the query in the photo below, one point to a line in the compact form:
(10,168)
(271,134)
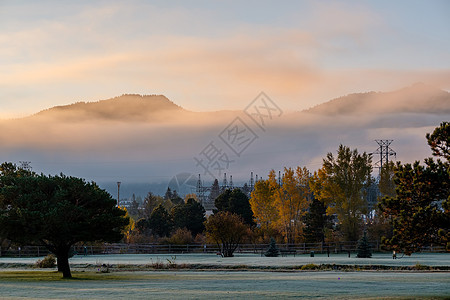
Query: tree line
(331,204)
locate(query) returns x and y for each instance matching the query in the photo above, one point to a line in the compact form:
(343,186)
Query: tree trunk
(63,263)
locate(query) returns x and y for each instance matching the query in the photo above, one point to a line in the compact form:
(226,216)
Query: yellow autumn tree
(262,202)
(127,231)
(292,201)
(341,184)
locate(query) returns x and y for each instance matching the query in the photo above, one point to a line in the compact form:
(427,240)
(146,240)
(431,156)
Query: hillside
(149,139)
(129,107)
(418,98)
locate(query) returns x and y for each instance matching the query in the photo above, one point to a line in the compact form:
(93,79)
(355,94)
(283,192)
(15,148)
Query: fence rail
(104,249)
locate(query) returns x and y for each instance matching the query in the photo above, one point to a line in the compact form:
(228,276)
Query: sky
(215,55)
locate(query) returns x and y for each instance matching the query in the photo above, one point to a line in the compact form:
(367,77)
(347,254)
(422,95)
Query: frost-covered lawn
(22,282)
(227,285)
(429,259)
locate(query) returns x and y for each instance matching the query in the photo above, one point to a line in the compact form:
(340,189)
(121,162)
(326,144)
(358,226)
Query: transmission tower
(224,182)
(384,151)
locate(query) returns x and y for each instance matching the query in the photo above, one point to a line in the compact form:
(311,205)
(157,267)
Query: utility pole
(118,193)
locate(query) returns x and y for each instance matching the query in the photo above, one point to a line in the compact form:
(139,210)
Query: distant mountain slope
(149,139)
(129,107)
(418,98)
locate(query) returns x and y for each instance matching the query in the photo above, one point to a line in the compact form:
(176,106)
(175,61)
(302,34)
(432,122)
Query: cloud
(94,51)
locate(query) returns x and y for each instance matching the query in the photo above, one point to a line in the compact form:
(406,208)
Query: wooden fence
(104,249)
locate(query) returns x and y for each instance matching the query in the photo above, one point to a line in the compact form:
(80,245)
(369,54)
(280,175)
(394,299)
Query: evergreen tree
(439,141)
(273,250)
(246,189)
(168,195)
(420,211)
(215,191)
(316,222)
(151,201)
(176,199)
(235,201)
(364,248)
(160,222)
(57,211)
(190,215)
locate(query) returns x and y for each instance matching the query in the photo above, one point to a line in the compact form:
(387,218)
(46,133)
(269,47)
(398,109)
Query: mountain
(418,98)
(128,107)
(149,140)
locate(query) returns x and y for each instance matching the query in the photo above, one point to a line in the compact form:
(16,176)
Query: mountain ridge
(155,140)
(418,98)
(134,106)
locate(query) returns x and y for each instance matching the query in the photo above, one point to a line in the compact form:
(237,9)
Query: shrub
(418,266)
(158,264)
(181,236)
(364,248)
(310,267)
(48,262)
(273,249)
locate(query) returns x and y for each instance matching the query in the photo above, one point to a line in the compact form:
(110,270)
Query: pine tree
(168,195)
(215,191)
(273,249)
(235,201)
(364,248)
(420,210)
(316,222)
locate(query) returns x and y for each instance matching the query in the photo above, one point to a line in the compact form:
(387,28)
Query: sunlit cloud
(102,50)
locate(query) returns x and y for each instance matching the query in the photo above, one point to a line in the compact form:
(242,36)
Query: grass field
(225,285)
(89,283)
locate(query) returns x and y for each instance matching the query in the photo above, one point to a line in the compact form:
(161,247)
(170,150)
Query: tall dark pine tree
(235,201)
(151,201)
(176,199)
(190,215)
(57,211)
(316,222)
(420,212)
(168,195)
(215,191)
(364,248)
(160,221)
